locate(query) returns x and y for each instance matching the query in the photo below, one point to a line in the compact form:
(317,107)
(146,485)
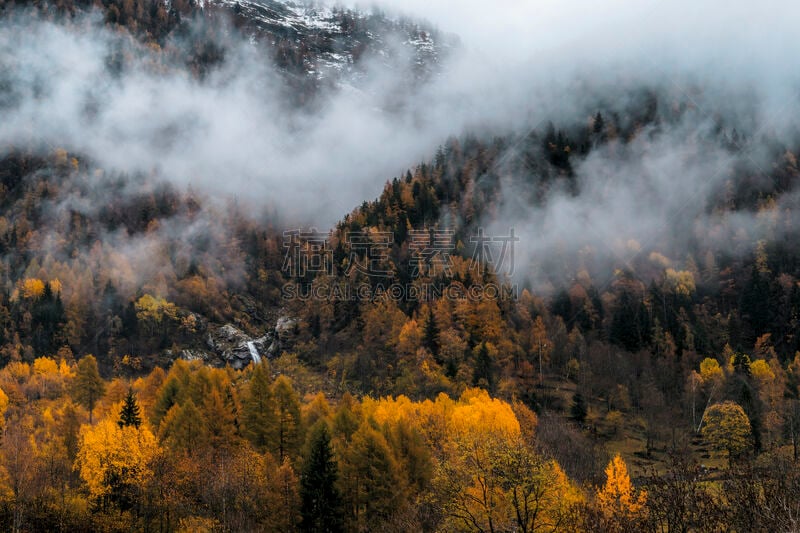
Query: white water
(254,352)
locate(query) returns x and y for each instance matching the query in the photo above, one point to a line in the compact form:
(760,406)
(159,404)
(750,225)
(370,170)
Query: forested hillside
(583,323)
(201,449)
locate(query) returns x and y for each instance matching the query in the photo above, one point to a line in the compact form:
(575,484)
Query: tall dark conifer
(321,502)
(432,335)
(483,373)
(129,415)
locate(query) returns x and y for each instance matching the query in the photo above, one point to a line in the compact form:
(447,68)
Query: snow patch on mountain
(334,42)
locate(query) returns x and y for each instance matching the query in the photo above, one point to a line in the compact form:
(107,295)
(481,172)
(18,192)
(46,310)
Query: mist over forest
(282,265)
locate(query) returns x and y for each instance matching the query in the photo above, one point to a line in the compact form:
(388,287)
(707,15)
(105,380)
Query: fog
(520,64)
(551,61)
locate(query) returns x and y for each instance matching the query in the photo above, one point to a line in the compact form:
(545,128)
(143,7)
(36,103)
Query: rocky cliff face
(228,345)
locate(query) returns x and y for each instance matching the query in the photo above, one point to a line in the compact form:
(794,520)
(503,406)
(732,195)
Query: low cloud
(521,64)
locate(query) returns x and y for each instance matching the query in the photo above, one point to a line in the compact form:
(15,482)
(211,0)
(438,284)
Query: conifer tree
(483,374)
(432,335)
(88,386)
(259,416)
(129,415)
(321,507)
(578,408)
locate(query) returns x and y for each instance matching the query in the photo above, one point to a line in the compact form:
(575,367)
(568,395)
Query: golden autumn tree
(88,386)
(152,311)
(541,346)
(259,416)
(18,483)
(770,379)
(287,413)
(679,282)
(410,338)
(4,401)
(371,481)
(382,323)
(52,448)
(47,377)
(540,496)
(114,461)
(315,408)
(727,428)
(488,477)
(708,381)
(220,420)
(710,370)
(413,456)
(184,430)
(620,504)
(32,288)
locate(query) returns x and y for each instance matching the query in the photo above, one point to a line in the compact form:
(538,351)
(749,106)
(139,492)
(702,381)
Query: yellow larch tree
(32,288)
(46,377)
(4,401)
(618,500)
(113,459)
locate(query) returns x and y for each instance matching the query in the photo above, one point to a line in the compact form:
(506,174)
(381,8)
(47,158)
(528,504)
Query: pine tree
(129,415)
(483,373)
(578,408)
(599,124)
(741,364)
(431,339)
(321,506)
(630,325)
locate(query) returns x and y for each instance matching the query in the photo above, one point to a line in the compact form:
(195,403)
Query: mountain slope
(333,43)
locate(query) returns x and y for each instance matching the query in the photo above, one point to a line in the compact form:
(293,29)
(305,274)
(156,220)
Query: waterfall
(254,352)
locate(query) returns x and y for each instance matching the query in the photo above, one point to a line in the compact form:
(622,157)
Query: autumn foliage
(204,459)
